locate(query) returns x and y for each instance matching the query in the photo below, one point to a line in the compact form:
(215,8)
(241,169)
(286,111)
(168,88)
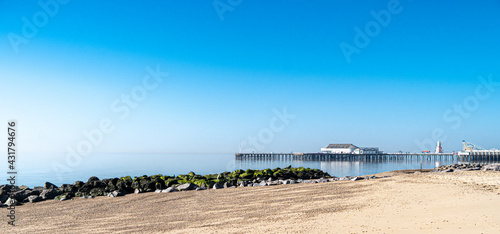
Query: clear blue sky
(227,75)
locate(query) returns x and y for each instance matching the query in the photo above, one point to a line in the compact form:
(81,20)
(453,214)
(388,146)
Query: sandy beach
(458,202)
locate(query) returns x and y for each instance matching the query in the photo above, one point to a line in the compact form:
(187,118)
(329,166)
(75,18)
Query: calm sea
(36,168)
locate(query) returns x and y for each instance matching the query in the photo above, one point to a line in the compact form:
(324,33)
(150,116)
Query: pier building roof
(341,146)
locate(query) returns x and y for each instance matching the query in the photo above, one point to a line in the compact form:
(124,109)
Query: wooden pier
(476,158)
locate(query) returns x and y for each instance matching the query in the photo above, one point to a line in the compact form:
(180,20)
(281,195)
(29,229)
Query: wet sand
(458,202)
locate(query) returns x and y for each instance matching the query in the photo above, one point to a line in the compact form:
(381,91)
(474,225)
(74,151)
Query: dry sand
(459,202)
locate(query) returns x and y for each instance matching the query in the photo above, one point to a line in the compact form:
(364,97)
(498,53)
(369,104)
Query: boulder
(78,184)
(85,189)
(88,197)
(3,197)
(158,191)
(5,188)
(492,167)
(11,202)
(270,183)
(200,188)
(67,188)
(114,194)
(187,186)
(217,186)
(97,192)
(169,190)
(49,185)
(92,179)
(23,187)
(49,194)
(356,178)
(21,195)
(34,198)
(136,191)
(63,197)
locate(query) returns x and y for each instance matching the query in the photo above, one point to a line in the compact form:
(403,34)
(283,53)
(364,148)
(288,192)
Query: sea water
(36,168)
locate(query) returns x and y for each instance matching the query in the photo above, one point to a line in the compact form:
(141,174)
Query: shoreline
(460,202)
(114,187)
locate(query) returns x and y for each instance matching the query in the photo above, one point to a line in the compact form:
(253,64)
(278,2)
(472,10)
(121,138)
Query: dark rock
(49,194)
(23,187)
(449,170)
(21,195)
(3,197)
(5,188)
(67,188)
(217,186)
(49,185)
(34,198)
(63,197)
(92,179)
(88,197)
(97,192)
(147,185)
(85,189)
(78,184)
(98,184)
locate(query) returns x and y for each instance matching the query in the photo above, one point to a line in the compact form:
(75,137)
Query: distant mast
(439,149)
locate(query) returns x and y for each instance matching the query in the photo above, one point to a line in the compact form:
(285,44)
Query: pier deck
(328,157)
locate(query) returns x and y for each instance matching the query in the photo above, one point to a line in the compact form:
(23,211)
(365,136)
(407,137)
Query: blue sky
(227,76)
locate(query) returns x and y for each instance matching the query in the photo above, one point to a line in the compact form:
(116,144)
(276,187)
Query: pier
(476,157)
